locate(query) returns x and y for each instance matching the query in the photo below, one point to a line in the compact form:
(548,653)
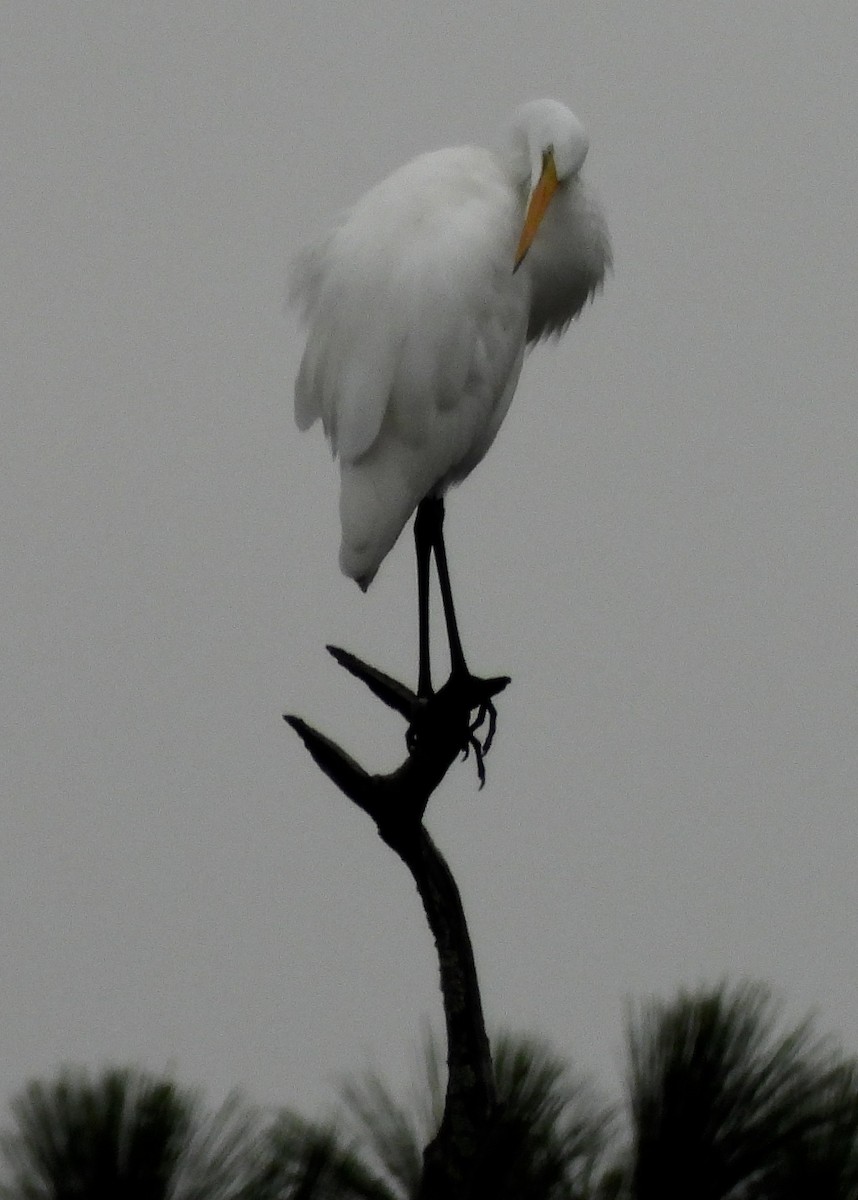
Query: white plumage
(419,308)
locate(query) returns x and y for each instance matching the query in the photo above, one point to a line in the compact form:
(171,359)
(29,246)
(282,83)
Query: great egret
(419,304)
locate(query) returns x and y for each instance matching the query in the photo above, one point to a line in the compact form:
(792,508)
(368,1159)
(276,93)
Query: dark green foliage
(724,1103)
(550,1138)
(307,1160)
(727,1105)
(123,1134)
(553,1132)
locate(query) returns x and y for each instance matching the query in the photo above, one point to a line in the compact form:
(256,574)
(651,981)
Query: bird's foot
(419,712)
(462,696)
(487,714)
(458,718)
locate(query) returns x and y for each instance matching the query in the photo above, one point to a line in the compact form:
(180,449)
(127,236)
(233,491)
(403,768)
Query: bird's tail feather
(377,498)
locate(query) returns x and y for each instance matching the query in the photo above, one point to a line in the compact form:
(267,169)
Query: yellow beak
(540,198)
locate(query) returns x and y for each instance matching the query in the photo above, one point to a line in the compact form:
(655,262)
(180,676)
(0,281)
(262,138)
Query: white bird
(419,304)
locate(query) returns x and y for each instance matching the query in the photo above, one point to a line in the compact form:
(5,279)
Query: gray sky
(660,548)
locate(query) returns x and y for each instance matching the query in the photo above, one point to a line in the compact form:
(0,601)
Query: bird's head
(548,145)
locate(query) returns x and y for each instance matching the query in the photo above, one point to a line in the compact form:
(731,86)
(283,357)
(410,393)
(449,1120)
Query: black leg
(423,539)
(457,657)
(429,539)
(461,687)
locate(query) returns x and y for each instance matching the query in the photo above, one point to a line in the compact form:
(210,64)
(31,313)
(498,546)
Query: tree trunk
(440,730)
(452,1157)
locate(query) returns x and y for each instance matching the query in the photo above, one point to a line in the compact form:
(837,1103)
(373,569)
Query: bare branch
(441,728)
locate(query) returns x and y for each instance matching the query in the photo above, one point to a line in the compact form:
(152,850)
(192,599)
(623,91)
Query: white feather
(417,323)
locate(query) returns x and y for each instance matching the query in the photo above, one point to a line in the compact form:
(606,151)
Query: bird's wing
(348,359)
(406,302)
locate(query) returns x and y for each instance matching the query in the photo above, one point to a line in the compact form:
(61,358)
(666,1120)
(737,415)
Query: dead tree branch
(441,728)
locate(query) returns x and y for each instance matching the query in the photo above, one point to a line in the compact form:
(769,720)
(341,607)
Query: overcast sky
(660,549)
